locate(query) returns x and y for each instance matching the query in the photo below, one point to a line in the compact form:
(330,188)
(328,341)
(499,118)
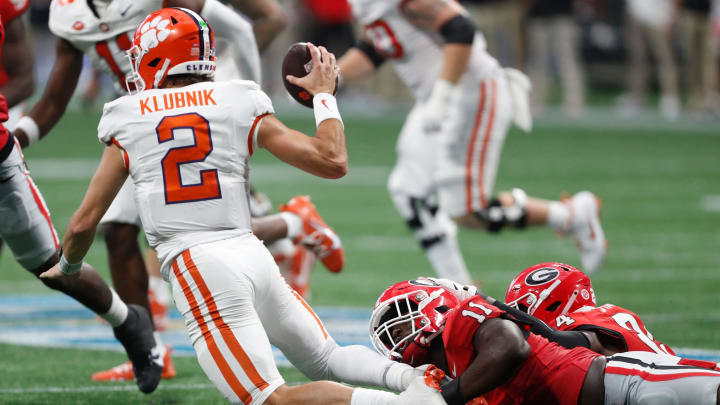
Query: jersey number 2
(175,191)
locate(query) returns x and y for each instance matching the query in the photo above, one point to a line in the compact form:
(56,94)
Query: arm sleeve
(239,33)
(567,339)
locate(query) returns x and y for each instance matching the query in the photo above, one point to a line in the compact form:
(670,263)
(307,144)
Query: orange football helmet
(170,41)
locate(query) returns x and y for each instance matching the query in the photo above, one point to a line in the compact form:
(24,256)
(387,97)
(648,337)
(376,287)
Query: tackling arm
(104,186)
(269,19)
(17,61)
(501,349)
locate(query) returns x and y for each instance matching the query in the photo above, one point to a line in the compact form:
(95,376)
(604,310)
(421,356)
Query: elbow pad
(458,30)
(369,50)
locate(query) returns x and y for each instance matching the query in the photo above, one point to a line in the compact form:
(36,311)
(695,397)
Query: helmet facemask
(134,83)
(392,314)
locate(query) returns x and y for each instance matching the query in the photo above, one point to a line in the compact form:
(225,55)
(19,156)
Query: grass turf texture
(663,259)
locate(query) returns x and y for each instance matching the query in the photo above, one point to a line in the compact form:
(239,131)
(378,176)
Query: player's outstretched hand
(323,75)
(55,273)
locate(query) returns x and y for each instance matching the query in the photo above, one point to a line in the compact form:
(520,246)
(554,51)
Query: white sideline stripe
(710,203)
(83,169)
(112,388)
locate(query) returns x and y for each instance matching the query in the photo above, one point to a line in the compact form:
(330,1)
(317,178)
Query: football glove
(437,106)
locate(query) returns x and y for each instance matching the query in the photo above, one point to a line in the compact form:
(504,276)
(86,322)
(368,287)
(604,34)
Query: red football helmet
(170,41)
(548,290)
(423,305)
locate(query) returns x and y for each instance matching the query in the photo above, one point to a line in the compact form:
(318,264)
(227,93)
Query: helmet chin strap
(543,296)
(570,302)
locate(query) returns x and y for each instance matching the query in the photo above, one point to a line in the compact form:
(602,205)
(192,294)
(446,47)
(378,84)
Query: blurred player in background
(700,48)
(493,358)
(197,218)
(452,139)
(554,44)
(26,225)
(103,30)
(650,27)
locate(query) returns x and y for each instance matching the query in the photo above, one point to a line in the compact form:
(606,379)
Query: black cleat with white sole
(136,335)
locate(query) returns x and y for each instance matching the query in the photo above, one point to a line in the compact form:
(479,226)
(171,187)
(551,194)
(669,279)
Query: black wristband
(458,30)
(369,50)
(451,393)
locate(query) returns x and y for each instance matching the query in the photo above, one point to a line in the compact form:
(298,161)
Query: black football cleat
(136,336)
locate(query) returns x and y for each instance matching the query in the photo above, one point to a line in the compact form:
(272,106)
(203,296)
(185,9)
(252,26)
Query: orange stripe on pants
(227,335)
(471,149)
(225,369)
(317,319)
(488,133)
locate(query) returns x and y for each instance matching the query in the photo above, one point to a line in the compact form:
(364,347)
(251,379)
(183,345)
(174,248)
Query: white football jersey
(187,150)
(103,32)
(416,53)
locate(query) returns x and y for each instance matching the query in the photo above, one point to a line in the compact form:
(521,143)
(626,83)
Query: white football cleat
(587,230)
(423,390)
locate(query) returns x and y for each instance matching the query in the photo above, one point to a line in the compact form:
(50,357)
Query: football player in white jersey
(451,141)
(185,142)
(103,30)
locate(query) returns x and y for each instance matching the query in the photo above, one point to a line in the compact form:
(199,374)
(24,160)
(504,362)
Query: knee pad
(498,216)
(428,222)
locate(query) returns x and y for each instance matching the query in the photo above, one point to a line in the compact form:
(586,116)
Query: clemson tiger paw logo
(153,32)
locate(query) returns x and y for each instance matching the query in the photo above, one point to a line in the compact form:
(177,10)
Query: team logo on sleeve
(154,32)
(542,276)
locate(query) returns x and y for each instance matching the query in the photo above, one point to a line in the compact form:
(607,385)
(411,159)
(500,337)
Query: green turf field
(660,187)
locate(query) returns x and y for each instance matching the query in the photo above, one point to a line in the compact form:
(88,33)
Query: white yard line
(108,388)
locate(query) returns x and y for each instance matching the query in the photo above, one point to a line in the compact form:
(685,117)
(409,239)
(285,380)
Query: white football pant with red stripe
(24,218)
(471,143)
(235,304)
(643,378)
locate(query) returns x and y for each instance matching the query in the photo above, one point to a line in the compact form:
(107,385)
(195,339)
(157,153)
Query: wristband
(325,108)
(69,268)
(30,127)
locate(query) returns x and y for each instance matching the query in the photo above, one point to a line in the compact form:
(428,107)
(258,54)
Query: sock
(364,396)
(161,289)
(294,224)
(359,365)
(446,258)
(118,312)
(558,216)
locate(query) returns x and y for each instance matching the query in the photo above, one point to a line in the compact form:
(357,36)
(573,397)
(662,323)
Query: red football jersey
(10,10)
(551,374)
(5,139)
(615,321)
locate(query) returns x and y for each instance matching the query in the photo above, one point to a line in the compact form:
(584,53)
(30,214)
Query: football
(298,63)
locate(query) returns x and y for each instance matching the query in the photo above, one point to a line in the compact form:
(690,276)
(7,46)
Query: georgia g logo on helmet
(542,276)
